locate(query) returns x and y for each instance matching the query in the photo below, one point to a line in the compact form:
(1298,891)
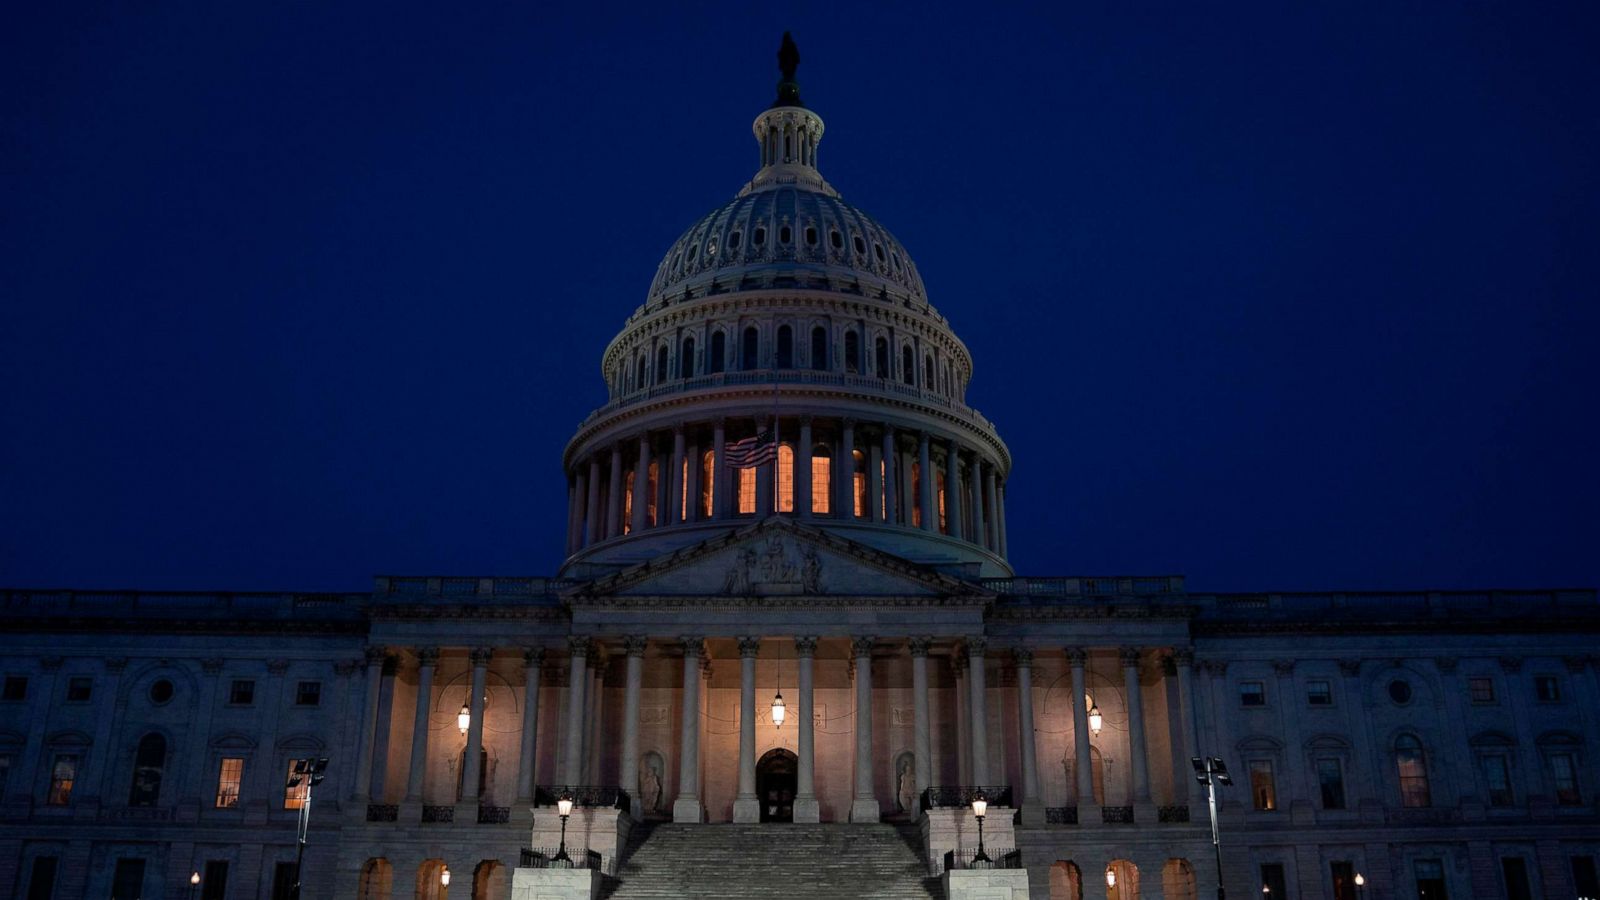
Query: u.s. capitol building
(1425,745)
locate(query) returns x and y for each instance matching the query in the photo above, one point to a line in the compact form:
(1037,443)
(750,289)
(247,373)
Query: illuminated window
(1413,771)
(747,491)
(859,476)
(683,499)
(1263,787)
(785,478)
(296,788)
(821,480)
(229,777)
(708,483)
(916,493)
(63,775)
(627,501)
(654,477)
(883,485)
(944,518)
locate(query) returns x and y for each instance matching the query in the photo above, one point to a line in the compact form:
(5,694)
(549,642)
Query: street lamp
(563,809)
(194,882)
(1211,772)
(1361,885)
(310,773)
(980,806)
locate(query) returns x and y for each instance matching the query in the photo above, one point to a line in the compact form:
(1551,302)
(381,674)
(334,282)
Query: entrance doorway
(776,777)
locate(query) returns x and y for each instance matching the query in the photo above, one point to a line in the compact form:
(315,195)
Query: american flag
(752,451)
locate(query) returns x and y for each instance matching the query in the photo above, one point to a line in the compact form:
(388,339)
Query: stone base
(555,884)
(807,811)
(603,830)
(1145,812)
(746,811)
(688,810)
(956,828)
(980,884)
(864,811)
(1033,814)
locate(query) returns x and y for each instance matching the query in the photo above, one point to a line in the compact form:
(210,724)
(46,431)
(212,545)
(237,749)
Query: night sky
(1282,297)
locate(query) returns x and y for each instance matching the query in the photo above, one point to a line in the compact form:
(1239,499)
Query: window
(852,353)
(638,373)
(1430,879)
(914,501)
(661,364)
(719,353)
(1481,689)
(127,882)
(927,372)
(686,359)
(819,348)
(1584,877)
(750,349)
(708,483)
(747,491)
(79,689)
(1564,776)
(821,480)
(786,478)
(1412,769)
(214,886)
(759,236)
(1547,689)
(1319,693)
(1330,777)
(16,688)
(859,482)
(1263,790)
(683,499)
(1400,691)
(784,234)
(63,774)
(627,501)
(242,693)
(1252,693)
(1497,778)
(283,882)
(652,479)
(229,776)
(308,693)
(1343,873)
(734,238)
(859,244)
(148,761)
(811,236)
(42,878)
(881,350)
(5,772)
(1515,871)
(295,789)
(160,691)
(1272,881)
(908,365)
(836,239)
(785,347)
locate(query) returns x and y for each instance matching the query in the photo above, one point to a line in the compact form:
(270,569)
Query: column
(844,472)
(952,488)
(930,513)
(383,735)
(746,807)
(875,510)
(1083,766)
(802,470)
(641,486)
(1032,796)
(1365,788)
(471,768)
(865,806)
(1293,791)
(532,670)
(806,808)
(978,711)
(766,495)
(891,467)
(992,536)
(1130,681)
(691,486)
(628,778)
(614,500)
(1189,746)
(921,728)
(958,675)
(591,517)
(194,789)
(577,680)
(369,723)
(574,498)
(427,659)
(592,733)
(677,503)
(1000,515)
(687,807)
(980,531)
(720,483)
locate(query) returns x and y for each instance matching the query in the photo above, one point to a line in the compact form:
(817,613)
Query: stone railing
(583,795)
(1116,815)
(382,812)
(1392,605)
(477,590)
(438,815)
(960,797)
(1061,815)
(1172,815)
(1088,586)
(494,815)
(200,605)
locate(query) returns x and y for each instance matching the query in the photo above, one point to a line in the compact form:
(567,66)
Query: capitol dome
(787,319)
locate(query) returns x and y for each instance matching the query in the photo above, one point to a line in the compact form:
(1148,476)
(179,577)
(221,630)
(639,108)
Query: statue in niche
(905,783)
(811,571)
(737,580)
(650,766)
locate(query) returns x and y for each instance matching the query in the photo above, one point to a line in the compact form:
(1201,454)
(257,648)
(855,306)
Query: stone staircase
(773,860)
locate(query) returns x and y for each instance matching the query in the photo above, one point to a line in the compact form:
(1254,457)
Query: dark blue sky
(1282,296)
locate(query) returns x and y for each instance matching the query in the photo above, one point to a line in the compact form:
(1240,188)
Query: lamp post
(1361,886)
(310,773)
(194,883)
(980,806)
(563,809)
(1211,772)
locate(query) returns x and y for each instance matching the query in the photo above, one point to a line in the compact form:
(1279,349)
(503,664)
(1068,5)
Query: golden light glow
(708,483)
(747,491)
(464,719)
(821,484)
(785,478)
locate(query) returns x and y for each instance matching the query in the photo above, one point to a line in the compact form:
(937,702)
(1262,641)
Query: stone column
(992,538)
(575,496)
(1183,661)
(677,500)
(532,669)
(930,513)
(1083,765)
(766,489)
(806,808)
(844,472)
(891,463)
(614,501)
(577,680)
(594,697)
(369,723)
(921,730)
(472,766)
(980,531)
(719,470)
(1130,681)
(865,806)
(1294,795)
(591,518)
(427,659)
(978,710)
(952,488)
(641,486)
(1365,788)
(691,486)
(687,807)
(958,675)
(1000,515)
(802,470)
(875,510)
(1033,797)
(628,776)
(746,807)
(905,462)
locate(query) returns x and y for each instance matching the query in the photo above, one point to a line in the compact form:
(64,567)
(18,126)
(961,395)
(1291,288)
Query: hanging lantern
(778,710)
(1095,719)
(464,718)
(1111,877)
(444,877)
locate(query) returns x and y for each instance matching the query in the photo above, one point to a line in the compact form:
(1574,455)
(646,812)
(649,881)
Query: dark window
(852,353)
(719,352)
(160,691)
(1564,772)
(5,772)
(1547,689)
(693,250)
(1263,787)
(785,347)
(283,881)
(877,250)
(927,372)
(1430,880)
(1252,693)
(128,881)
(750,352)
(42,880)
(784,235)
(811,236)
(243,692)
(639,373)
(819,348)
(1497,777)
(908,365)
(860,245)
(881,349)
(214,883)
(16,688)
(80,689)
(1400,691)
(63,775)
(1515,870)
(148,761)
(733,240)
(1481,689)
(1272,883)
(1584,877)
(1319,693)
(1330,777)
(836,239)
(1344,880)
(308,693)
(686,359)
(760,237)
(661,364)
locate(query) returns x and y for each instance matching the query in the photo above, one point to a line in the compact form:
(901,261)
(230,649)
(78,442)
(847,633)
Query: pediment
(779,558)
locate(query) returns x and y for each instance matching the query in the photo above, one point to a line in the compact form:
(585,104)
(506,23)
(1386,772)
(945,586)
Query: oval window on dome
(693,249)
(1400,691)
(760,237)
(711,248)
(785,235)
(895,258)
(811,236)
(860,245)
(733,240)
(877,250)
(836,239)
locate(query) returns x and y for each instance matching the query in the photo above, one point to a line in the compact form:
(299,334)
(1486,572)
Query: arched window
(819,348)
(1066,882)
(785,478)
(1412,768)
(785,347)
(1177,880)
(859,479)
(927,373)
(148,760)
(719,352)
(914,501)
(653,474)
(686,359)
(881,349)
(627,501)
(661,364)
(821,479)
(908,365)
(708,483)
(750,353)
(638,374)
(852,353)
(747,491)
(377,880)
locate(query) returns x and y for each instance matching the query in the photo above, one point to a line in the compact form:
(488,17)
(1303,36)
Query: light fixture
(778,709)
(563,809)
(194,882)
(1095,719)
(195,878)
(1111,877)
(980,806)
(464,718)
(1361,886)
(444,877)
(1266,890)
